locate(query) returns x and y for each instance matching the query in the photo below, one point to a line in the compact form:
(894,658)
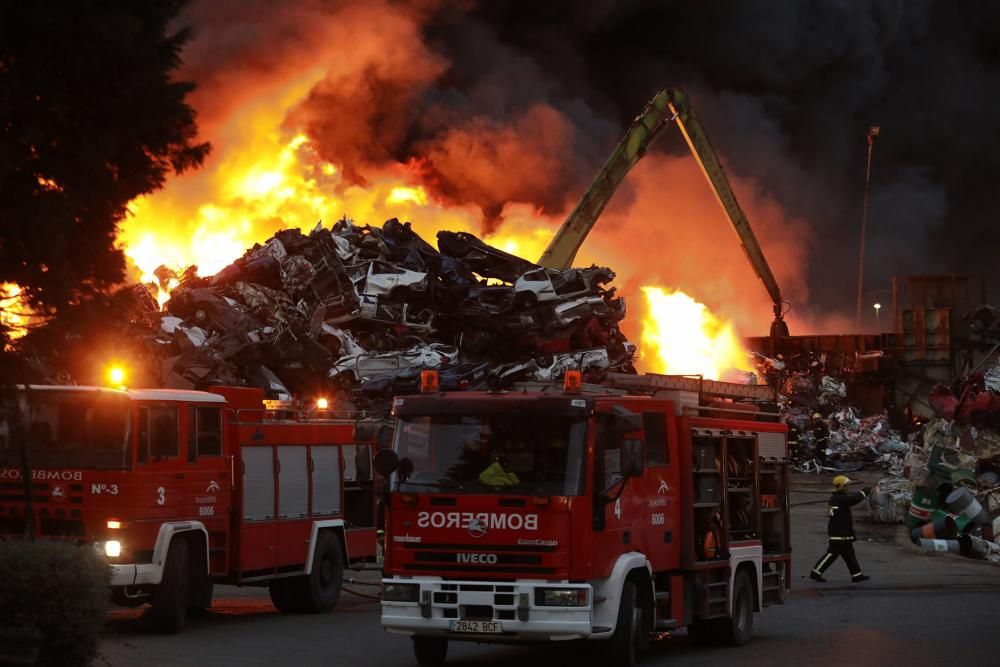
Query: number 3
(161,495)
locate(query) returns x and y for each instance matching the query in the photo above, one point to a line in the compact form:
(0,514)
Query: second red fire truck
(184,489)
(596,513)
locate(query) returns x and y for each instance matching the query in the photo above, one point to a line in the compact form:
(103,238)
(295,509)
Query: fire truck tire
(737,629)
(202,589)
(319,592)
(430,650)
(170,597)
(283,595)
(623,647)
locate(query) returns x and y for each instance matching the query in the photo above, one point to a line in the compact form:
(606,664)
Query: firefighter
(841,531)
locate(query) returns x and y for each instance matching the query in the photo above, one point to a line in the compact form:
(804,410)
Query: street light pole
(872,133)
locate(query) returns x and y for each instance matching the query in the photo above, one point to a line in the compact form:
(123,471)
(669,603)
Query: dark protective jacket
(841,521)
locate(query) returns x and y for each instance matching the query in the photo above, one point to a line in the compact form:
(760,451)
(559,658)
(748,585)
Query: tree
(90,118)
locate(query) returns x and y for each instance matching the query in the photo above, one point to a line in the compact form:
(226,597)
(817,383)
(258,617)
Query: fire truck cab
(600,513)
(184,489)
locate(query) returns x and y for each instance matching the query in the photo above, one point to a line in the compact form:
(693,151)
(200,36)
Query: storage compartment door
(326,481)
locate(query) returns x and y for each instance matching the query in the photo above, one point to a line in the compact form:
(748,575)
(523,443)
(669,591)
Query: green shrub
(59,590)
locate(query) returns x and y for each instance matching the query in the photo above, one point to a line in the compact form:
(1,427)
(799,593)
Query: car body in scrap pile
(318,313)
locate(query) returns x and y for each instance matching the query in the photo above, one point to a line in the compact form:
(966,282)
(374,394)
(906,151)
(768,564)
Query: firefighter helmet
(841,481)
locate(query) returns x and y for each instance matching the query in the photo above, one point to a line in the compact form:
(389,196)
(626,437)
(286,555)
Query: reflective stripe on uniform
(822,564)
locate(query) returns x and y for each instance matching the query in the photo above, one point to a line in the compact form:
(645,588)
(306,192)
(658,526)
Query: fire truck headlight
(561,597)
(401,592)
(112,548)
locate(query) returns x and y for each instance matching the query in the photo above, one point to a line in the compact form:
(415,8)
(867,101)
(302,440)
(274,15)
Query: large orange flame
(683,337)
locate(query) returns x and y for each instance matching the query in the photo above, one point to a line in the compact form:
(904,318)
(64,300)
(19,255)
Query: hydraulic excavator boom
(668,105)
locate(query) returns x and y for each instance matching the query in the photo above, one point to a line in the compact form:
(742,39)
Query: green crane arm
(697,139)
(644,129)
(667,105)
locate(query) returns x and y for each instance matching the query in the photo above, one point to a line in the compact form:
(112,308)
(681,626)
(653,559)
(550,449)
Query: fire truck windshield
(71,429)
(531,454)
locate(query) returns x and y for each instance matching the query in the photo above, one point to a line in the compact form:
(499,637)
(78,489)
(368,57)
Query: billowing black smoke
(497,101)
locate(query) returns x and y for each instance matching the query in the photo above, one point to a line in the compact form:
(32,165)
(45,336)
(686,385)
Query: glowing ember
(682,337)
(13,313)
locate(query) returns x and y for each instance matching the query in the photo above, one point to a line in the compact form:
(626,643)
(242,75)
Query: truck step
(666,624)
(662,595)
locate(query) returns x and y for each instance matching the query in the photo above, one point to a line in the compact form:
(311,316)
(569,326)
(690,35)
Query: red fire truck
(603,513)
(182,489)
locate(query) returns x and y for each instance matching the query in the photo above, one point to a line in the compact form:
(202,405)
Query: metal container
(961,501)
(941,546)
(922,505)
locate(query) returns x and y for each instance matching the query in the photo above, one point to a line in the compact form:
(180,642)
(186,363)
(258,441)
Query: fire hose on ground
(355,582)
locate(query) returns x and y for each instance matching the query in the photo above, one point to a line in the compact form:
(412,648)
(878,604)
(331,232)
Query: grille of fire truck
(504,598)
(510,559)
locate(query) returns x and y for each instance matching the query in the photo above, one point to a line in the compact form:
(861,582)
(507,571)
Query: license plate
(481,627)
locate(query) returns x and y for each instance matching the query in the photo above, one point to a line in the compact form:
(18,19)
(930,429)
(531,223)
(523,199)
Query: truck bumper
(511,604)
(133,575)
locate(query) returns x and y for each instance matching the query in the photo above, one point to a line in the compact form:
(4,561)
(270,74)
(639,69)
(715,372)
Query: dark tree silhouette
(90,118)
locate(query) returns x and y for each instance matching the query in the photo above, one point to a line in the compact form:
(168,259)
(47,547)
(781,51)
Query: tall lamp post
(872,133)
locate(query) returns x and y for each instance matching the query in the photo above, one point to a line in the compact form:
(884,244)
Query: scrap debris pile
(950,496)
(825,433)
(361,310)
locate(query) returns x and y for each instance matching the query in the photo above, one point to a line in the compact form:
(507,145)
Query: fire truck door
(660,494)
(161,465)
(617,511)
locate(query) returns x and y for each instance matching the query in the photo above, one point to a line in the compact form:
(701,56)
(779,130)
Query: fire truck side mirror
(386,462)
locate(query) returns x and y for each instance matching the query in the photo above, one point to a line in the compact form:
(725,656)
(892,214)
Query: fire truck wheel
(736,630)
(283,595)
(321,589)
(623,647)
(202,589)
(170,597)
(430,650)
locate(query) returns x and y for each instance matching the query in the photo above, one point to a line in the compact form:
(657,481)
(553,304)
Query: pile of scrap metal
(950,497)
(825,434)
(361,310)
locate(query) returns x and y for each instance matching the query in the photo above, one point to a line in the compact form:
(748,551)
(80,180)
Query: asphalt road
(918,608)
